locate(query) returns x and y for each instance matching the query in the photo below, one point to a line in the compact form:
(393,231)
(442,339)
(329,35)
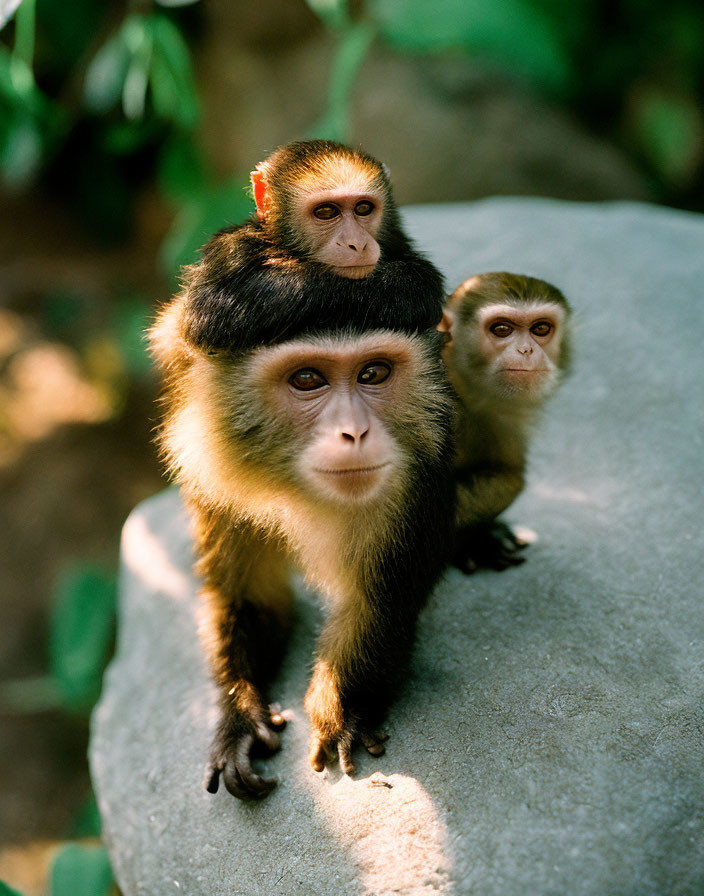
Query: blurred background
(127,131)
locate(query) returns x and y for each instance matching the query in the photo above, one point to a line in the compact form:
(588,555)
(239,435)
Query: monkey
(329,451)
(509,347)
(324,249)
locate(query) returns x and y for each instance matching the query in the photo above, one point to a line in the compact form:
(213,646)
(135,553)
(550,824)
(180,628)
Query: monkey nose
(353,434)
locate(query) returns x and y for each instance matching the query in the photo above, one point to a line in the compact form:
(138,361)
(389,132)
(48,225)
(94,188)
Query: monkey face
(336,400)
(340,228)
(521,346)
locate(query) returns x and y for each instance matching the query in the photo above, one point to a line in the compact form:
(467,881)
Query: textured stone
(549,738)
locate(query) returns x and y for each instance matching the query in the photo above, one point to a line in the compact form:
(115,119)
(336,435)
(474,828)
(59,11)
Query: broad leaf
(512,33)
(81,633)
(81,871)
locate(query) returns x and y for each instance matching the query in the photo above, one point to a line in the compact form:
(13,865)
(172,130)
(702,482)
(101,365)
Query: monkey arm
(364,648)
(480,540)
(361,655)
(483,494)
(244,624)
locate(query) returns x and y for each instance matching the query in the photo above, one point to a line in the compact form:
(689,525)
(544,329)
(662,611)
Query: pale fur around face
(209,396)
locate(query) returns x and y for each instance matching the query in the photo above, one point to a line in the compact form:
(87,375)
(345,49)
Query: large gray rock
(549,739)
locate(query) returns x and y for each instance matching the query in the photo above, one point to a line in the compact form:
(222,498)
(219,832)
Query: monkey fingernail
(212,780)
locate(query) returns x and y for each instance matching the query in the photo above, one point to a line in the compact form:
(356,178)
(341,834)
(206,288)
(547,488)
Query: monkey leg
(361,657)
(481,541)
(244,629)
(492,546)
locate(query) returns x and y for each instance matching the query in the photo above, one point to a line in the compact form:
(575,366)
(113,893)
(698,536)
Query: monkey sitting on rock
(308,420)
(509,348)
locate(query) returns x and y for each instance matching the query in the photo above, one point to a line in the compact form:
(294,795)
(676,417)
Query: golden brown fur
(241,457)
(495,415)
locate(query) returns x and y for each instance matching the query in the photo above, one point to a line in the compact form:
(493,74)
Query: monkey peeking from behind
(324,251)
(509,349)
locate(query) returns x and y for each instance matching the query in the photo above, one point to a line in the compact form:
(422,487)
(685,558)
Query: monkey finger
(276,719)
(468,566)
(240,778)
(317,754)
(344,752)
(374,743)
(267,738)
(212,779)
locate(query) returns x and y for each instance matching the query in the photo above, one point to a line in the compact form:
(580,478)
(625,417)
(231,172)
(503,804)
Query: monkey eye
(501,329)
(374,374)
(326,212)
(364,208)
(307,379)
(542,328)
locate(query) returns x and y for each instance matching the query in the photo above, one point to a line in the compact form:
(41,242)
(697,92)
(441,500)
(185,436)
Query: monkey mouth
(347,471)
(354,271)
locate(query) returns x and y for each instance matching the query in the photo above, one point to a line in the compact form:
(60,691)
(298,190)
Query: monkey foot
(496,547)
(238,740)
(323,750)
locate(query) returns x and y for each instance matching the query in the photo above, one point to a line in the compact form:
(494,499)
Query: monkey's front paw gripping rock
(494,547)
(324,749)
(237,741)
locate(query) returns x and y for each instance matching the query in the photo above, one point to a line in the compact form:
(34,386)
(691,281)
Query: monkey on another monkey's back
(324,251)
(330,451)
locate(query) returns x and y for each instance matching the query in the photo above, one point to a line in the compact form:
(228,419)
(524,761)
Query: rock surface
(549,739)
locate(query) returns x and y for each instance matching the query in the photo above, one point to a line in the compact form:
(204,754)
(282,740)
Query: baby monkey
(509,348)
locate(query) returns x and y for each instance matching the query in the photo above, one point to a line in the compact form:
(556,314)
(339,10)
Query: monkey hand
(335,730)
(494,546)
(326,747)
(239,738)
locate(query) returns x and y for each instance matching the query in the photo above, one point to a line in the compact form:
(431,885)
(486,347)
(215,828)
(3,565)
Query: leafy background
(127,130)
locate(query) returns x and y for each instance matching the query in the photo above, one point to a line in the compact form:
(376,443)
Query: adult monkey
(509,348)
(332,451)
(325,250)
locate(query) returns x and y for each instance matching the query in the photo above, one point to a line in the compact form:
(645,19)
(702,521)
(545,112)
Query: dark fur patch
(246,293)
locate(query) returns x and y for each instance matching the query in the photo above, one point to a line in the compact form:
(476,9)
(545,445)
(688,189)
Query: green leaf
(511,33)
(25,29)
(21,152)
(173,88)
(105,77)
(81,870)
(181,169)
(5,890)
(216,207)
(131,319)
(138,38)
(670,129)
(335,13)
(87,822)
(81,633)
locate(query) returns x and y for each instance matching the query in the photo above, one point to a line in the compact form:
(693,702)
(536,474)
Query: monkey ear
(445,325)
(261,192)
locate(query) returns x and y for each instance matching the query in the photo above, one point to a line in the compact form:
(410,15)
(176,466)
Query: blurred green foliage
(81,635)
(103,96)
(80,870)
(114,90)
(5,890)
(77,870)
